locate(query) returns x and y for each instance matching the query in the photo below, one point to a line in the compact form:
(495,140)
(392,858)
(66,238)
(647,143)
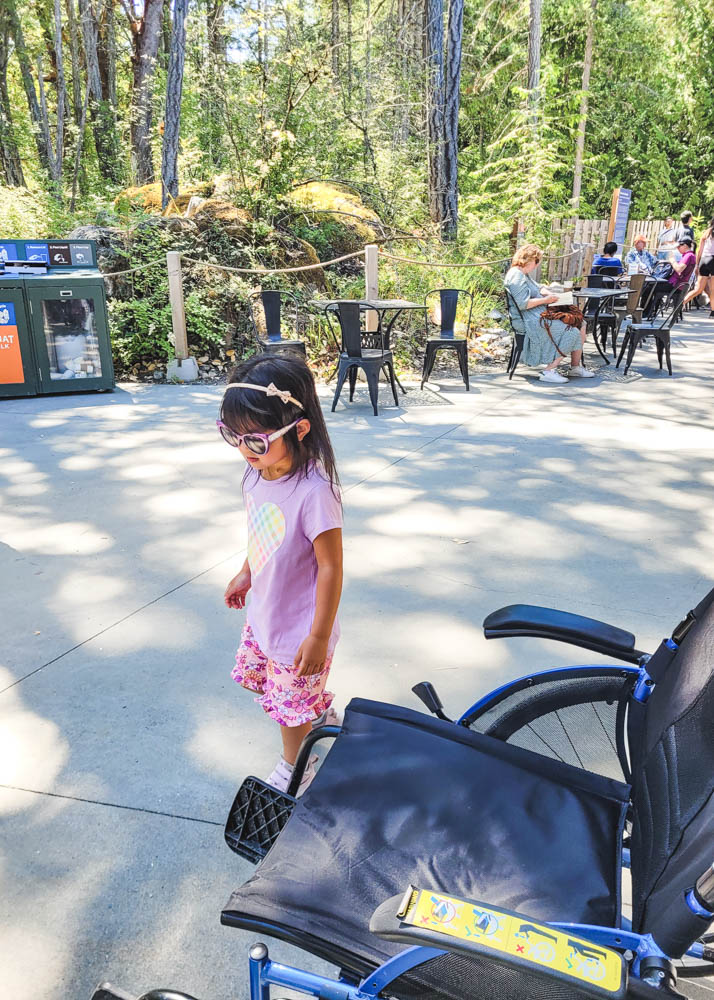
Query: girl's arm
(238,588)
(311,656)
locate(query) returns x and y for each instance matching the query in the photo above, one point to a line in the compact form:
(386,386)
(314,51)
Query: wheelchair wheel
(576,715)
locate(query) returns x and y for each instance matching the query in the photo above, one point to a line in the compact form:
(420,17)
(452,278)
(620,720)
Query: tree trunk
(61,100)
(349,54)
(582,120)
(9,155)
(435,103)
(29,84)
(80,144)
(534,32)
(172,120)
(100,108)
(451,117)
(74,58)
(335,42)
(211,133)
(368,60)
(146,35)
(107,51)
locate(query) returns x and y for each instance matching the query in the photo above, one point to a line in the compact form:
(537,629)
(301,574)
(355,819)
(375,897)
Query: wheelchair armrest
(546,623)
(467,927)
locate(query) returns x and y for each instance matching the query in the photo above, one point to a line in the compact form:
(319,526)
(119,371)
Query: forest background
(304,130)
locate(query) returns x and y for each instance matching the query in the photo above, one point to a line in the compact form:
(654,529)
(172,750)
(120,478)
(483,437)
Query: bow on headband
(273,390)
(269,390)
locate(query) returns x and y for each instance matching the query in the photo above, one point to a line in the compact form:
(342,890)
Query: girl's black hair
(609,247)
(246,410)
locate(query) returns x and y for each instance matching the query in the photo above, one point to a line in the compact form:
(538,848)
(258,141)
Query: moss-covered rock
(339,212)
(236,222)
(147,198)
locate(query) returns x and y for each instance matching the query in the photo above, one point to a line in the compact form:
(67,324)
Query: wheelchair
(481,858)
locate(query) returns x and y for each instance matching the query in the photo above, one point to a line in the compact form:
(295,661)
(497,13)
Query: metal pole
(178,315)
(371,282)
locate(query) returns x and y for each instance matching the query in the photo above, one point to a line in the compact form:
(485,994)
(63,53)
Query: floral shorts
(285,697)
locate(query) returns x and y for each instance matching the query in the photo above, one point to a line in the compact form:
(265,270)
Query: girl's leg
(292,738)
(697,290)
(710,293)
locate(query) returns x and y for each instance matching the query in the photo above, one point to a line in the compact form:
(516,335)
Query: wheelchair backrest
(672,755)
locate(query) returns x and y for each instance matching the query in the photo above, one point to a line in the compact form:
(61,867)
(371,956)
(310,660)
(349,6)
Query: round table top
(599,293)
(373,303)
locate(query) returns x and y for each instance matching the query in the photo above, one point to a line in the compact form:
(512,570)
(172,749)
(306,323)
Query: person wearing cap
(682,271)
(640,257)
(683,268)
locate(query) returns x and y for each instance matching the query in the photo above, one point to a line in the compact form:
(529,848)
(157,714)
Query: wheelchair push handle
(562,626)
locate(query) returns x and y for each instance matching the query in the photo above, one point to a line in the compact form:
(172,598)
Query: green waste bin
(54,331)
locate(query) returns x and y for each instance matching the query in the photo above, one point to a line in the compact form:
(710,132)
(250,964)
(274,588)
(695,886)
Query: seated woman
(538,347)
(608,259)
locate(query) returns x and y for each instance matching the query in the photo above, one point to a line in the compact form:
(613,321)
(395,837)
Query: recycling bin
(57,332)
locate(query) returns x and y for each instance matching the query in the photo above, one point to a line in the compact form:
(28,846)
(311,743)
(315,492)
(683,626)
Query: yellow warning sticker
(513,935)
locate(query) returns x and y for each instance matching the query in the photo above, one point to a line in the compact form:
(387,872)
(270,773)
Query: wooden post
(178,315)
(371,282)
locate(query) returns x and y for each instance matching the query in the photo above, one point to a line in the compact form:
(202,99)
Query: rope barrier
(275,270)
(477,263)
(130,270)
(322,263)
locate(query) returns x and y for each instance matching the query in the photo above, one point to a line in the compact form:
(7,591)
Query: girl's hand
(237,589)
(311,656)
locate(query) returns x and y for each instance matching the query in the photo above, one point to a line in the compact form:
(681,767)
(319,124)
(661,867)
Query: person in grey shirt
(667,239)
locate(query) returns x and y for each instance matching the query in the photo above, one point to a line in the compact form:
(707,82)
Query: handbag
(570,315)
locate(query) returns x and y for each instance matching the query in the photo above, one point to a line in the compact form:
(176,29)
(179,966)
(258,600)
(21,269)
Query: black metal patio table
(595,294)
(382,306)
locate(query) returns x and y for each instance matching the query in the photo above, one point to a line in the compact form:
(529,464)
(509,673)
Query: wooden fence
(568,234)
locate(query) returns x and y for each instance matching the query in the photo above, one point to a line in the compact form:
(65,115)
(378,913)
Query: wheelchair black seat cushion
(403,797)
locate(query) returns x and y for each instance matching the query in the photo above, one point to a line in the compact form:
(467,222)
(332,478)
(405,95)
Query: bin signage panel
(11,371)
(38,252)
(60,255)
(81,254)
(8,250)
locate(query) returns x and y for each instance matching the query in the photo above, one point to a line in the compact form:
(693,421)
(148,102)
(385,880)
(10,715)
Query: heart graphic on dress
(266,533)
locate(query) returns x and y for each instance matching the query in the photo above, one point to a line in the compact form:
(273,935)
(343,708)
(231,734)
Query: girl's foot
(551,375)
(328,718)
(282,773)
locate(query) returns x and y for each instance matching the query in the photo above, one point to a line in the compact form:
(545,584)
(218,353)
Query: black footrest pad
(257,816)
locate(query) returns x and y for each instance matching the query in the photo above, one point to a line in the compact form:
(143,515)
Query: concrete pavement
(123,739)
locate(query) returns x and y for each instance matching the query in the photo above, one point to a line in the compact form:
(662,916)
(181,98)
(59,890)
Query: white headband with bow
(269,390)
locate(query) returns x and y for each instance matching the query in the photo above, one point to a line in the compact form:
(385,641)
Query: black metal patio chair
(513,311)
(447,339)
(353,356)
(661,331)
(274,304)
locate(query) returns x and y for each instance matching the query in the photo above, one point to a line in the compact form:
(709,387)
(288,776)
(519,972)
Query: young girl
(271,413)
